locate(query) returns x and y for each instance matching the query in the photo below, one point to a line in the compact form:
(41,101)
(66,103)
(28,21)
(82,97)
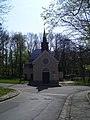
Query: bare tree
(33,41)
(73,15)
(4,9)
(4,39)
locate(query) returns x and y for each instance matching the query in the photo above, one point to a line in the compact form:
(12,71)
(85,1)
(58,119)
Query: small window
(45,61)
(25,76)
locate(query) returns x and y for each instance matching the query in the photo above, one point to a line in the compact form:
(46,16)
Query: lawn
(79,81)
(13,81)
(4,91)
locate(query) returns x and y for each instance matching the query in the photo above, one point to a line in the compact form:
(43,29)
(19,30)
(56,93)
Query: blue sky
(25,16)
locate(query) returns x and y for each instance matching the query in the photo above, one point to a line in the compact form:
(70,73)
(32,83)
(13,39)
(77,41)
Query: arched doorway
(45,76)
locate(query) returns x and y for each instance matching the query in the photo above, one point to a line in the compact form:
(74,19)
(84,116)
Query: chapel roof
(36,53)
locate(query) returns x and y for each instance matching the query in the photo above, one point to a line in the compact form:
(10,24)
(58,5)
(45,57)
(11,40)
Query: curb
(65,108)
(9,95)
(88,96)
(64,115)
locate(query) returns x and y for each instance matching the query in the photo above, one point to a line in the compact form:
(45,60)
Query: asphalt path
(36,103)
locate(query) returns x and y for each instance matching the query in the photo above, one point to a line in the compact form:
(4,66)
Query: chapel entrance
(45,76)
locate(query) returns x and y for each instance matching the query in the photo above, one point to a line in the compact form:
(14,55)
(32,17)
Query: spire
(44,44)
(44,36)
(44,33)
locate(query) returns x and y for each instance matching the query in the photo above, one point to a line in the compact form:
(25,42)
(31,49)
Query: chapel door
(45,77)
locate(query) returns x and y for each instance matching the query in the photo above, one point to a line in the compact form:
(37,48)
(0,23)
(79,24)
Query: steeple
(44,44)
(44,32)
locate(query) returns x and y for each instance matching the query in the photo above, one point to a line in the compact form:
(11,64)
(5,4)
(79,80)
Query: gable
(45,54)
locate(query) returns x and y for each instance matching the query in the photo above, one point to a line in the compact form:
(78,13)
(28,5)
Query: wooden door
(45,77)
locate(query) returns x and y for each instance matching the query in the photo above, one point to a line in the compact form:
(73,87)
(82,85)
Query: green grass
(79,81)
(82,83)
(13,81)
(4,91)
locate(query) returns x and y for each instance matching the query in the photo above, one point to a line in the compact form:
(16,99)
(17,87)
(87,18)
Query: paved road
(36,103)
(78,107)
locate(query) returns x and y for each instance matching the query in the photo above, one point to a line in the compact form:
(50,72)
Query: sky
(25,16)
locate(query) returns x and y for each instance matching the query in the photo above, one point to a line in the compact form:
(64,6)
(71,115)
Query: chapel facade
(43,67)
